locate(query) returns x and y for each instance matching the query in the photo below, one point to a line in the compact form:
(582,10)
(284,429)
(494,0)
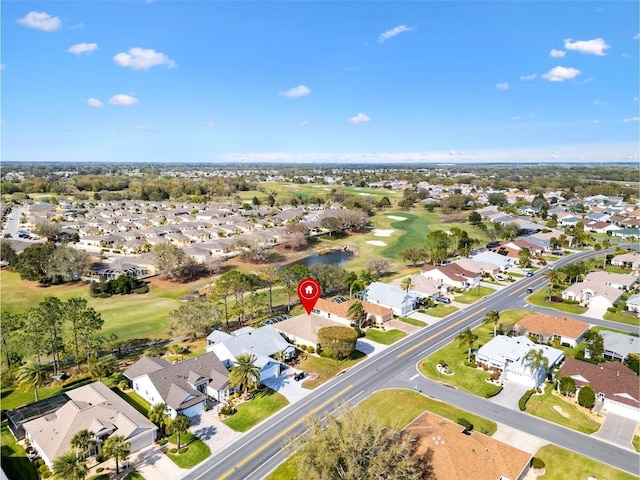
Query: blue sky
(318,81)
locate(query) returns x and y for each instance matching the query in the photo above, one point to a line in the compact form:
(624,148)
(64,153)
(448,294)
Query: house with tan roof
(617,386)
(303,329)
(621,281)
(423,286)
(94,407)
(183,386)
(452,274)
(338,311)
(547,328)
(460,455)
(593,294)
(477,267)
(627,260)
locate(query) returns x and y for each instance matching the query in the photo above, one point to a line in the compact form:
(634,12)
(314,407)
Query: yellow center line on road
(402,354)
(518,290)
(282,434)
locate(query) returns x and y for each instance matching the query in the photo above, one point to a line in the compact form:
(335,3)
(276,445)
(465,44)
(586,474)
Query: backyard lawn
(562,464)
(562,412)
(386,337)
(248,414)
(326,368)
(622,317)
(14,461)
(473,295)
(412,321)
(197,451)
(541,298)
(440,311)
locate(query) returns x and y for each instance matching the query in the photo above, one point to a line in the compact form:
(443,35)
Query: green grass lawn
(13,396)
(412,321)
(622,317)
(14,461)
(541,297)
(326,368)
(251,413)
(543,406)
(441,311)
(128,316)
(387,337)
(197,451)
(473,295)
(472,380)
(384,404)
(636,443)
(134,476)
(562,464)
(135,400)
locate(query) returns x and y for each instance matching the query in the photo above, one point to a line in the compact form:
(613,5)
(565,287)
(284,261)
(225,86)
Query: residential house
(423,286)
(627,233)
(593,294)
(338,311)
(452,274)
(303,329)
(507,354)
(264,343)
(617,386)
(502,260)
(633,303)
(484,457)
(390,296)
(183,386)
(546,328)
(477,267)
(627,260)
(618,346)
(621,281)
(94,407)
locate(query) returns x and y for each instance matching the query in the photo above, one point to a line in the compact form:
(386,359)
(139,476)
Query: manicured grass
(441,311)
(473,295)
(197,451)
(622,317)
(387,337)
(134,476)
(562,464)
(543,406)
(636,443)
(135,400)
(384,404)
(412,321)
(13,397)
(128,316)
(541,297)
(251,413)
(14,461)
(326,368)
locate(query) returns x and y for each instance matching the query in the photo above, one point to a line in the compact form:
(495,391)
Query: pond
(338,258)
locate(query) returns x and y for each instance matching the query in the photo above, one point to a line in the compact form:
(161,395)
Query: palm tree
(537,361)
(82,441)
(554,277)
(406,284)
(158,415)
(245,374)
(117,448)
(31,375)
(356,312)
(69,466)
(467,338)
(493,316)
(179,425)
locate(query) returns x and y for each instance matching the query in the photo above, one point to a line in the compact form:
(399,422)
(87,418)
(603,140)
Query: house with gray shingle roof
(183,386)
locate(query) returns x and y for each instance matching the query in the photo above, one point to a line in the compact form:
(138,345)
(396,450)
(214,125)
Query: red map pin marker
(309,291)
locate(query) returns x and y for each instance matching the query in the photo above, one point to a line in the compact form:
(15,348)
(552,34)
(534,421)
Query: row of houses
(604,290)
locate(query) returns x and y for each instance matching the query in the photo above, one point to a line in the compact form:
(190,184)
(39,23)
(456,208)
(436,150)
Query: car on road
(442,299)
(529,290)
(529,274)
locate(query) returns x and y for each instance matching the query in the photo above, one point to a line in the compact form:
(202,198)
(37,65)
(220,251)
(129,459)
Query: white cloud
(143,128)
(79,26)
(597,46)
(210,124)
(359,118)
(634,119)
(502,86)
(557,53)
(143,59)
(2,66)
(80,48)
(303,123)
(122,99)
(94,102)
(597,121)
(41,21)
(393,32)
(516,117)
(296,92)
(560,74)
(636,36)
(528,77)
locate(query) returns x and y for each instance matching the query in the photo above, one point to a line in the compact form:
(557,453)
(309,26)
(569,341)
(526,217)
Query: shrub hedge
(522,403)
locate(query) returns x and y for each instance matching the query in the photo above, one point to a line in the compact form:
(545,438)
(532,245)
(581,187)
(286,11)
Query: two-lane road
(263,448)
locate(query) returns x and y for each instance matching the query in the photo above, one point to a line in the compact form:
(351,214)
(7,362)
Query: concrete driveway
(596,311)
(285,385)
(510,394)
(618,430)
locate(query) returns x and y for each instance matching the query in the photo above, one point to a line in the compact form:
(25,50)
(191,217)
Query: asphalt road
(264,447)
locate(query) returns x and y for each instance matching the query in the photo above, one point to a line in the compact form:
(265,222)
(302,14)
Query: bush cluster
(490,394)
(537,462)
(465,423)
(522,403)
(124,284)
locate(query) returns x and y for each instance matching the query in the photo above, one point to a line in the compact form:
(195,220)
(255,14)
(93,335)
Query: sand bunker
(561,411)
(394,217)
(382,233)
(376,243)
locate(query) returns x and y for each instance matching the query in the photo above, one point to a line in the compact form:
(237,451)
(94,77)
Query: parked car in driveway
(442,299)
